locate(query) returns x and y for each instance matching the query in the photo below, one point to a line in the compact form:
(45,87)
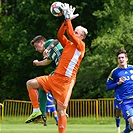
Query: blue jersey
(125,90)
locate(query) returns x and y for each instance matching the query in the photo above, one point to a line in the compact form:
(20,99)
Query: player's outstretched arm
(44,62)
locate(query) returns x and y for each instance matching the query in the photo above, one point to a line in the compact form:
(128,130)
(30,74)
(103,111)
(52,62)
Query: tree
(20,22)
(114,31)
(110,27)
(16,31)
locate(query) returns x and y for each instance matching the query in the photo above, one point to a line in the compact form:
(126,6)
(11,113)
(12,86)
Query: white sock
(118,128)
(36,109)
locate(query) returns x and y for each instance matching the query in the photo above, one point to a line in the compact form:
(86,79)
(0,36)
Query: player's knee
(55,113)
(61,127)
(131,122)
(29,83)
(61,112)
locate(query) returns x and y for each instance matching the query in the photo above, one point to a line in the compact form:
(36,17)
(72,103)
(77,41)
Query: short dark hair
(121,51)
(38,38)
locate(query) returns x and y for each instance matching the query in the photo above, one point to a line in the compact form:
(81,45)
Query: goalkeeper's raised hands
(68,11)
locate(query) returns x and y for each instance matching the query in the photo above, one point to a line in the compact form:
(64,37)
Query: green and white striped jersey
(54,53)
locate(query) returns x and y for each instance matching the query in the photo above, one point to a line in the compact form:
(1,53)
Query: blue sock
(128,129)
(117,122)
(56,118)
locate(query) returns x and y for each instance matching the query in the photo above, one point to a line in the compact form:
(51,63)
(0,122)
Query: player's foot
(45,124)
(41,119)
(38,120)
(56,124)
(44,120)
(34,116)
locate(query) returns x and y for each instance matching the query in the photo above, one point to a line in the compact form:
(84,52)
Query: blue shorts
(116,105)
(127,108)
(50,109)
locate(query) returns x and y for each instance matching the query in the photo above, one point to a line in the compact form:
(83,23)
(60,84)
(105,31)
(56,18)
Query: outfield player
(121,80)
(62,81)
(41,44)
(118,114)
(50,107)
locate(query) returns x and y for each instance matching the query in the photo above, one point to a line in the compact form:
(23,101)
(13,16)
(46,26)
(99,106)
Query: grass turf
(74,125)
(71,128)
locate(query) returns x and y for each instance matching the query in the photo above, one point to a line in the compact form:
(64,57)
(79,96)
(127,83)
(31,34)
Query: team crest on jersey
(131,71)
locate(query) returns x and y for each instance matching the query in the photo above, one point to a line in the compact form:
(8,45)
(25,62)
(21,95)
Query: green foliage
(20,22)
(17,54)
(110,26)
(114,31)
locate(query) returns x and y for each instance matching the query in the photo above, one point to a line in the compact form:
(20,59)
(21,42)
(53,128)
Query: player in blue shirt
(50,107)
(121,80)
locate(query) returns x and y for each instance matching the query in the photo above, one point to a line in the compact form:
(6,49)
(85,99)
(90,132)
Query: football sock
(62,124)
(36,109)
(33,94)
(117,122)
(128,129)
(43,101)
(56,118)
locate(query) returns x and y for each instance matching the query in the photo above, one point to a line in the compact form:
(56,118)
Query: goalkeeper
(62,81)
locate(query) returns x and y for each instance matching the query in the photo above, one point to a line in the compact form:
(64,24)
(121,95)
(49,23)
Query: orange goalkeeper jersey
(73,51)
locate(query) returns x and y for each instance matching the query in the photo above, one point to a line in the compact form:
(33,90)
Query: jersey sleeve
(110,83)
(80,44)
(60,35)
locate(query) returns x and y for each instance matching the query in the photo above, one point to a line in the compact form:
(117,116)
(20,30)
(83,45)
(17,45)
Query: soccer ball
(56,9)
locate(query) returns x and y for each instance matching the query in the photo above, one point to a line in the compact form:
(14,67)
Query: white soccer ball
(56,9)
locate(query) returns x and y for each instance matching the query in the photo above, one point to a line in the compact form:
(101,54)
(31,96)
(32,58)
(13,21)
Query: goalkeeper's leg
(43,101)
(62,121)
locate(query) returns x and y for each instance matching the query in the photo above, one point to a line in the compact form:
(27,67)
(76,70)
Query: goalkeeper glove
(72,16)
(68,11)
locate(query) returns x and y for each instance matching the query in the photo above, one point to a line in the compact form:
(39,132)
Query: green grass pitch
(71,128)
(82,125)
